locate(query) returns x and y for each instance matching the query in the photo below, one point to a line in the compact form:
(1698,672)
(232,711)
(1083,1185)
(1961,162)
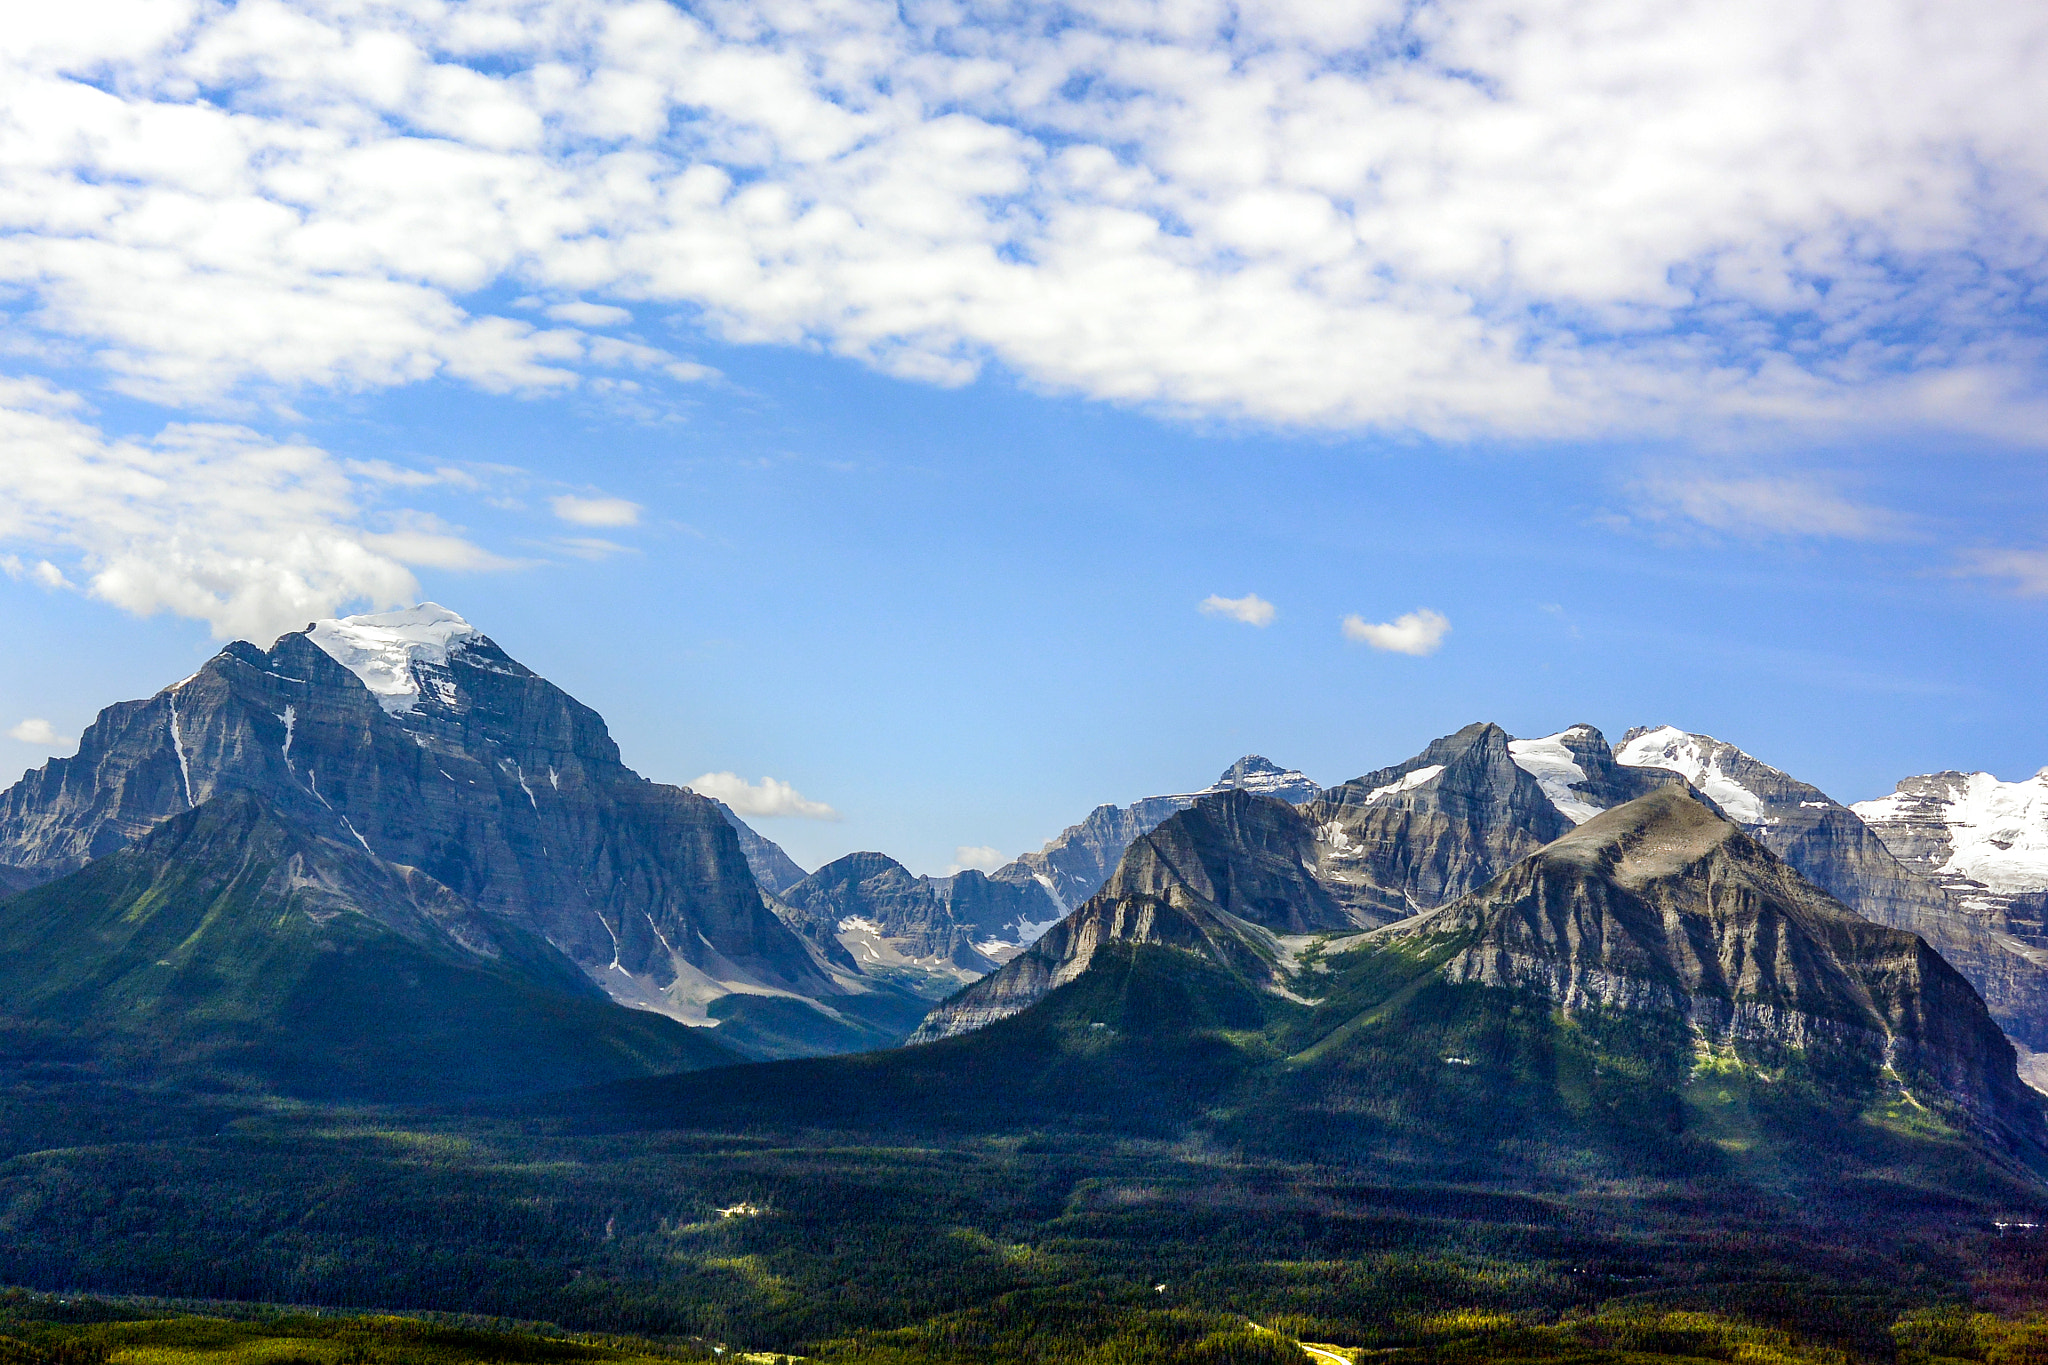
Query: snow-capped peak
(1256,773)
(1997,831)
(381,647)
(1696,758)
(1556,769)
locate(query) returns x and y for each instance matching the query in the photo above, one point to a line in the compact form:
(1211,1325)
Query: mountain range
(395,788)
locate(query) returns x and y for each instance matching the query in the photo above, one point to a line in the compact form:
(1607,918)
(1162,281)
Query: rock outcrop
(1984,844)
(881,915)
(773,869)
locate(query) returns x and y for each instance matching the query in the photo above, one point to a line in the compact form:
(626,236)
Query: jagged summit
(1257,773)
(1226,879)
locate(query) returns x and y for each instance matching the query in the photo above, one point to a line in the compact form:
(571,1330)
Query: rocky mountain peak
(1661,835)
(1663,906)
(1256,773)
(1403,839)
(1076,862)
(1224,880)
(414,737)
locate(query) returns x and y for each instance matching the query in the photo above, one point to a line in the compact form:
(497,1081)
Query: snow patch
(178,744)
(352,830)
(290,717)
(1671,748)
(1557,771)
(1404,784)
(382,648)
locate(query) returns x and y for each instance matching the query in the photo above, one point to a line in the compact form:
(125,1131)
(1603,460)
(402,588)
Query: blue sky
(861,398)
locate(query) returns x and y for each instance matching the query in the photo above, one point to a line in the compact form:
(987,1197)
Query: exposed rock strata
(1999,948)
(1663,906)
(1407,838)
(231,947)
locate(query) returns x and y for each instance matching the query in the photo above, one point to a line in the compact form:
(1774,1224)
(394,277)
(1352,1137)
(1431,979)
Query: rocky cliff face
(233,947)
(417,738)
(1227,879)
(1982,841)
(1984,844)
(1661,906)
(1407,838)
(1074,865)
(883,916)
(773,869)
(1836,849)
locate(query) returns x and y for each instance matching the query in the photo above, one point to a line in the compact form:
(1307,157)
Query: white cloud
(39,732)
(590,314)
(2027,570)
(1420,632)
(1800,505)
(205,521)
(1251,609)
(1517,216)
(980,857)
(767,797)
(596,511)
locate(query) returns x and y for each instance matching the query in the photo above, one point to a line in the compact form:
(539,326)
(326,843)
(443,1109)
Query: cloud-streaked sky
(915,401)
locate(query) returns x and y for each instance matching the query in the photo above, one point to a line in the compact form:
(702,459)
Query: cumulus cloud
(1799,505)
(766,797)
(206,521)
(596,511)
(1251,608)
(39,732)
(1518,216)
(980,857)
(1420,632)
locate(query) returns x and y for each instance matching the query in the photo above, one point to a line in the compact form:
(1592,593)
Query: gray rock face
(1076,863)
(493,781)
(913,912)
(1833,847)
(1663,906)
(1984,844)
(231,946)
(868,901)
(775,870)
(1225,878)
(1405,839)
